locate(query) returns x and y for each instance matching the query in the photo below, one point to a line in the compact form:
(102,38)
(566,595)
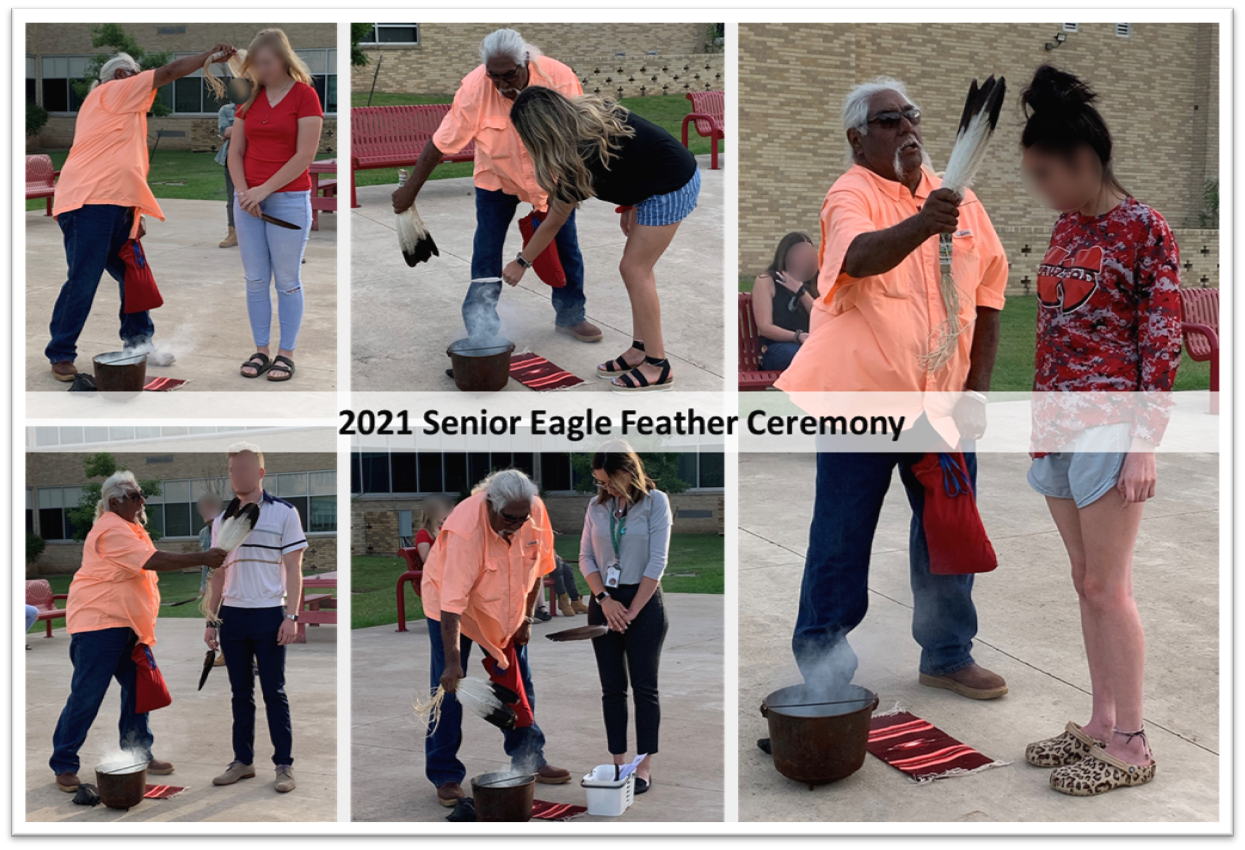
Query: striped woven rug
(922,750)
(556,811)
(162,792)
(537,373)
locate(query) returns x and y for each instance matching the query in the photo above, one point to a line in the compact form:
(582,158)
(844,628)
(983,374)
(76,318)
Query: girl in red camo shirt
(1108,322)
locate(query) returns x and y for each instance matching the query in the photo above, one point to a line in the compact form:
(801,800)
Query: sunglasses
(514,520)
(133,494)
(508,77)
(890,119)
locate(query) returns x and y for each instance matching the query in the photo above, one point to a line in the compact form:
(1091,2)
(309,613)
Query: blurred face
(269,67)
(603,480)
(239,90)
(512,517)
(508,77)
(209,510)
(245,473)
(892,146)
(124,73)
(128,506)
(1063,182)
(801,261)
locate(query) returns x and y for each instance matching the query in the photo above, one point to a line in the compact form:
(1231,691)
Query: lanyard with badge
(618,527)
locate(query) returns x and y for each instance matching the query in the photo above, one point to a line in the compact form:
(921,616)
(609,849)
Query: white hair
(506,487)
(509,44)
(116,486)
(856,106)
(120,61)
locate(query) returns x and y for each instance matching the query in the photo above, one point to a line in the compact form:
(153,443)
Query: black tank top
(788,314)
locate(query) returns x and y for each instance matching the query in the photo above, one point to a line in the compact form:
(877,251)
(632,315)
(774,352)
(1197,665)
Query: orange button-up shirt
(869,334)
(108,161)
(111,589)
(481,114)
(473,572)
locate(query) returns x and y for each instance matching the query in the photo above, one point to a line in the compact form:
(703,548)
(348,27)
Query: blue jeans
(32,614)
(94,236)
(247,633)
(778,355)
(274,254)
(494,212)
(441,765)
(851,487)
(99,657)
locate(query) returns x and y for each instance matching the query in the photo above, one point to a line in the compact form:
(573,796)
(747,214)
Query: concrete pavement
(403,318)
(388,743)
(203,321)
(193,733)
(1029,633)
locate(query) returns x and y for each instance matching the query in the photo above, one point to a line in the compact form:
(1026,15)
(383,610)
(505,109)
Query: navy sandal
(618,365)
(635,382)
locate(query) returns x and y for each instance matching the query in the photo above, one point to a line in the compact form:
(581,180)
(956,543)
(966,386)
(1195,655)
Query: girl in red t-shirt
(1108,299)
(275,138)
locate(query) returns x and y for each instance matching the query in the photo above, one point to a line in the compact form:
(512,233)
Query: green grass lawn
(1013,370)
(174,587)
(696,566)
(174,174)
(665,110)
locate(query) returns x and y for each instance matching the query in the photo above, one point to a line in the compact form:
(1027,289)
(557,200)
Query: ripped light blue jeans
(273,254)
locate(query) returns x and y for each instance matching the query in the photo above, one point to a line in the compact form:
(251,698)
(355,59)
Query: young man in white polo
(257,601)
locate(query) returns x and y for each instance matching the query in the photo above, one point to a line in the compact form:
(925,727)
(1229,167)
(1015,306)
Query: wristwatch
(601,597)
(292,617)
(524,263)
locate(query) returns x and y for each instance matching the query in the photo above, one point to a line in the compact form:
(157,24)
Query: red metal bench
(751,375)
(39,594)
(394,137)
(323,190)
(1199,322)
(709,113)
(41,180)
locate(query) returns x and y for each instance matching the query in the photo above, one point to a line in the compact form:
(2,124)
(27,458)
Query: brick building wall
(64,469)
(75,39)
(1158,89)
(448,52)
(374,521)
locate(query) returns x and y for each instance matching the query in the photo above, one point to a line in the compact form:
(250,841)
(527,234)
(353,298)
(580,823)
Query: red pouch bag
(141,292)
(548,265)
(150,692)
(511,679)
(956,538)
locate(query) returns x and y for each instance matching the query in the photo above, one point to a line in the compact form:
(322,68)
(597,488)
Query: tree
(34,547)
(662,467)
(36,119)
(101,466)
(358,32)
(116,37)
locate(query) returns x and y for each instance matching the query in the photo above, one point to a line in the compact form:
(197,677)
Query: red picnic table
(328,201)
(317,608)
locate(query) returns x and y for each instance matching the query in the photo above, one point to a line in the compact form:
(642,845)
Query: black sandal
(618,365)
(634,381)
(285,363)
(262,365)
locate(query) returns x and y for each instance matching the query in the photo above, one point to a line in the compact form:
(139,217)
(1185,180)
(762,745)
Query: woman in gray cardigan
(622,555)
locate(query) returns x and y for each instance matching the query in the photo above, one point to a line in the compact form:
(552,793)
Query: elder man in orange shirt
(504,178)
(114,599)
(481,583)
(101,197)
(882,224)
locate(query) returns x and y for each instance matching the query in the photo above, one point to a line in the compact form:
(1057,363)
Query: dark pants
(777,356)
(494,213)
(99,657)
(94,236)
(526,747)
(636,651)
(851,487)
(246,634)
(564,580)
(228,196)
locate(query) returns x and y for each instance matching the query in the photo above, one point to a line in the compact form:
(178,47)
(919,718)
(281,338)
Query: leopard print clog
(1068,747)
(1098,773)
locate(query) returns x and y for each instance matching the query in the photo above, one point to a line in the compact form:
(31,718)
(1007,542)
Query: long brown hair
(625,471)
(561,134)
(280,43)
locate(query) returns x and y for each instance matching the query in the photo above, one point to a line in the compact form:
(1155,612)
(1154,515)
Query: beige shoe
(230,240)
(236,770)
(1067,748)
(1098,773)
(285,778)
(564,605)
(579,607)
(220,660)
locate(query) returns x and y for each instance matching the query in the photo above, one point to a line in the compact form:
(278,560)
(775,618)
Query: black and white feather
(972,139)
(236,523)
(414,239)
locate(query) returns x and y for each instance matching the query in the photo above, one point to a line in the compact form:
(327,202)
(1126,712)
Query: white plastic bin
(608,797)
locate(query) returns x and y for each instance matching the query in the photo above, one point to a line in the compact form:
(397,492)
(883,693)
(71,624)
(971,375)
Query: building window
(393,34)
(32,87)
(703,469)
(175,513)
(190,95)
(323,67)
(53,502)
(59,74)
(1123,30)
(30,510)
